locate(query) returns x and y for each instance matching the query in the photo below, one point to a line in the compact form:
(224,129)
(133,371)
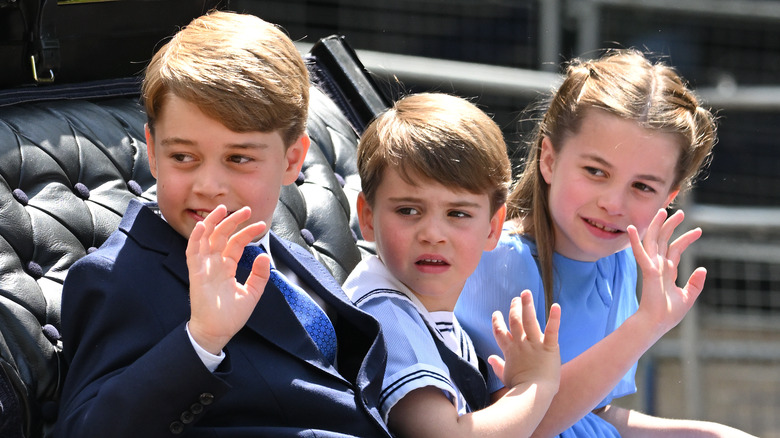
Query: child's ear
(294,158)
(546,159)
(671,197)
(496,225)
(150,155)
(365,218)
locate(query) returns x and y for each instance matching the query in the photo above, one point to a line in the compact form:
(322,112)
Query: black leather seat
(72,157)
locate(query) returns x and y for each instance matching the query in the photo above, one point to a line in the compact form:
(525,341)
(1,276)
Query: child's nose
(612,200)
(209,182)
(431,230)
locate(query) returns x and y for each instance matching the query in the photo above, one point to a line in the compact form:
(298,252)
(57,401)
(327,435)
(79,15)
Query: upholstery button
(301,179)
(340,179)
(91,249)
(187,417)
(196,408)
(51,333)
(206,398)
(34,270)
(134,188)
(81,190)
(176,428)
(21,197)
(308,237)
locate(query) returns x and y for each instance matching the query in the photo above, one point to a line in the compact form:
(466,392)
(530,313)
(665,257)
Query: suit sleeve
(132,370)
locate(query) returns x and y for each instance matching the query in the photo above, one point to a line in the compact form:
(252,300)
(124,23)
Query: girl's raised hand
(662,300)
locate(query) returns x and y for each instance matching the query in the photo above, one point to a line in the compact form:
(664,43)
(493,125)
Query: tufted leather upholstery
(68,168)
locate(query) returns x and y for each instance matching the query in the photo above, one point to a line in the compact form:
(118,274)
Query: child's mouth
(603,227)
(203,213)
(432,262)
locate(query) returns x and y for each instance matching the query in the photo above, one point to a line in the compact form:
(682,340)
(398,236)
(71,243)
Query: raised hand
(220,306)
(529,356)
(662,300)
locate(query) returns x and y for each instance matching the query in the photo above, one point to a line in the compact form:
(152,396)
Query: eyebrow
(170,141)
(605,163)
(413,200)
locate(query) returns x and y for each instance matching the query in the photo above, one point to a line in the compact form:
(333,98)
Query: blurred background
(723,362)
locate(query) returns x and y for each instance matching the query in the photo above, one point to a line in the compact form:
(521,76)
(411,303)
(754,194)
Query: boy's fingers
(227,225)
(215,217)
(498,365)
(258,277)
(193,243)
(516,317)
(234,247)
(553,325)
(530,324)
(500,331)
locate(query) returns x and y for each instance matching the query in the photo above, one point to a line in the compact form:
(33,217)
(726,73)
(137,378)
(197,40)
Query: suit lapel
(362,355)
(157,236)
(274,320)
(361,347)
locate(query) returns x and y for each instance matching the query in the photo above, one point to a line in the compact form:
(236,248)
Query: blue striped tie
(311,316)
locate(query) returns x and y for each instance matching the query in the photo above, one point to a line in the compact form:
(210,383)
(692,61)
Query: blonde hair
(626,84)
(236,68)
(440,137)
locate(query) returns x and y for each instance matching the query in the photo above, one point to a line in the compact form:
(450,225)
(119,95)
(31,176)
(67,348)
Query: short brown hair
(236,68)
(439,137)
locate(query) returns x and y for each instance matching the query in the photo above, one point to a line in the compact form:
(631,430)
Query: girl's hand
(531,358)
(219,305)
(663,302)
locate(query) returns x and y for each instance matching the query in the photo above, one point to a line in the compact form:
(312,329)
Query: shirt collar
(265,242)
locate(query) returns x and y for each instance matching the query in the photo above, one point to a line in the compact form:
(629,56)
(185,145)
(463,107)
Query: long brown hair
(626,84)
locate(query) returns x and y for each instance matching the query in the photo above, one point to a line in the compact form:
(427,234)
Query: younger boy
(434,172)
(161,334)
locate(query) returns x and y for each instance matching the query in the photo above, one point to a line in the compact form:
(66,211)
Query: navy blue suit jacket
(134,373)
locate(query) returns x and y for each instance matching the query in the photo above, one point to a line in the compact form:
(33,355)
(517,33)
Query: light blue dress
(595,298)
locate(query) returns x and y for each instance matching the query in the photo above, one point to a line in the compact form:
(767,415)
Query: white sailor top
(413,358)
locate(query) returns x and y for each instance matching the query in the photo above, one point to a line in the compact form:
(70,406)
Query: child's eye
(644,187)
(239,159)
(408,211)
(459,214)
(182,158)
(594,171)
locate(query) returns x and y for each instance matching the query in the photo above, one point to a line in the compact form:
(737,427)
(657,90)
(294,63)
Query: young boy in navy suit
(160,336)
